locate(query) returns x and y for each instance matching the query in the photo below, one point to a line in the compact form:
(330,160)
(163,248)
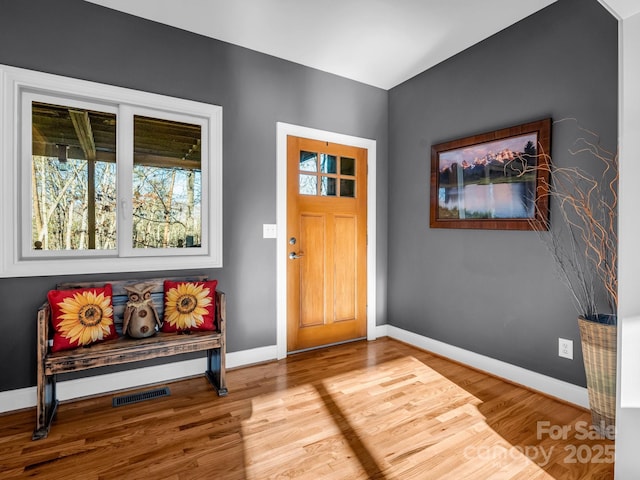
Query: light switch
(269,230)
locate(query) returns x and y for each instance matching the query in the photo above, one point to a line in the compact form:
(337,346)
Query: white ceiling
(377,42)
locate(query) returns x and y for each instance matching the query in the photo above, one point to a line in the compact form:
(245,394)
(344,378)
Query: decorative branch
(583,240)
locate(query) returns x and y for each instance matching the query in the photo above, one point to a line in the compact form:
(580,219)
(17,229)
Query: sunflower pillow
(189,306)
(81,316)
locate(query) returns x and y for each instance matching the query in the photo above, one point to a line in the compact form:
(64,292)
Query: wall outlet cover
(565,348)
(269,230)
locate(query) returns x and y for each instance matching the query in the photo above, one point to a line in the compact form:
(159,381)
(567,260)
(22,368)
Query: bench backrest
(120,296)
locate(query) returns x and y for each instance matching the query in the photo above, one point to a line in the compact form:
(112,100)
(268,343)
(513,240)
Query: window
(167,184)
(72,198)
(320,175)
(100,179)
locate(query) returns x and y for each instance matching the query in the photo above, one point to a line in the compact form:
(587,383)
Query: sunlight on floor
(368,424)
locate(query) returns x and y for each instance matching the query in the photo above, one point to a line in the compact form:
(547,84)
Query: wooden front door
(326,243)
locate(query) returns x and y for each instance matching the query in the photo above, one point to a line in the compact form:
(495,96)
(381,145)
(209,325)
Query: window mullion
(124,162)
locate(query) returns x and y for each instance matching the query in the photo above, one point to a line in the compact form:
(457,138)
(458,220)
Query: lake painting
(486,180)
(495,180)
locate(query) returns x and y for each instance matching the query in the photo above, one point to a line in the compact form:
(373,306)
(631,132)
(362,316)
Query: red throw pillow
(81,316)
(189,306)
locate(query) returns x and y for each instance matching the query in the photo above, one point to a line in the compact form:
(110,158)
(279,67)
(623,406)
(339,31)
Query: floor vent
(141,396)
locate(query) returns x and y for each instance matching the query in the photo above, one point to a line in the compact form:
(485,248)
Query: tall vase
(599,346)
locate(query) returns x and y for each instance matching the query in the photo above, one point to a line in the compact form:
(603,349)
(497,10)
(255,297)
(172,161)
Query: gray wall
(492,292)
(82,40)
(495,292)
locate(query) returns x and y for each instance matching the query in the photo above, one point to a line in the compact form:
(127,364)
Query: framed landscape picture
(492,180)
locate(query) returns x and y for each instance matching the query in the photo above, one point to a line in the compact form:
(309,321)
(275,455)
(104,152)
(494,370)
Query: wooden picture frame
(496,180)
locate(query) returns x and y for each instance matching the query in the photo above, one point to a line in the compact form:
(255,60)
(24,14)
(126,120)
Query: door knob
(294,255)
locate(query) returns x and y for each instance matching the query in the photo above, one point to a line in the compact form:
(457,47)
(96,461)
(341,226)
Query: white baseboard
(82,387)
(109,382)
(536,381)
(249,357)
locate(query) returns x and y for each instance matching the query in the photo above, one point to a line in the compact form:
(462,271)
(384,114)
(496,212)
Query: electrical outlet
(565,348)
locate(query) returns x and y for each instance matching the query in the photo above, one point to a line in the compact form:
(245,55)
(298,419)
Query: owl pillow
(140,315)
(81,316)
(189,306)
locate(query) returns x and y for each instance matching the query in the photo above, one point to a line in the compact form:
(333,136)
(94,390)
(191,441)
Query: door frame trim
(284,130)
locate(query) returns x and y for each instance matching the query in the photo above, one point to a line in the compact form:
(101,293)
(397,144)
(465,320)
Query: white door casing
(284,130)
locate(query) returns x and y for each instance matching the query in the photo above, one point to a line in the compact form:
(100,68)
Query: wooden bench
(124,349)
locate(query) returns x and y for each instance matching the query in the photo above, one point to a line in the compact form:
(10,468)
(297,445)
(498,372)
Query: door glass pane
(328,163)
(308,161)
(328,187)
(308,184)
(167,184)
(347,166)
(347,188)
(73,180)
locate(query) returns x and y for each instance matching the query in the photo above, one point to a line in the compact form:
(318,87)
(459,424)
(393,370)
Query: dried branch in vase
(582,236)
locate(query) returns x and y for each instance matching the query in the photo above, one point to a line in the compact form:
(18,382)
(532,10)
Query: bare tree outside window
(74,181)
(167,184)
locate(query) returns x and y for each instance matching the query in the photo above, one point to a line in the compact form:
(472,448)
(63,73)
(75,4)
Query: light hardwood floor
(365,410)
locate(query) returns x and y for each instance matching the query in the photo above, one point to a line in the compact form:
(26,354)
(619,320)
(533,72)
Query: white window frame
(17,258)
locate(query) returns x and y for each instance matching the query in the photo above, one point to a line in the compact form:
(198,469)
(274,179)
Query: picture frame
(495,180)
